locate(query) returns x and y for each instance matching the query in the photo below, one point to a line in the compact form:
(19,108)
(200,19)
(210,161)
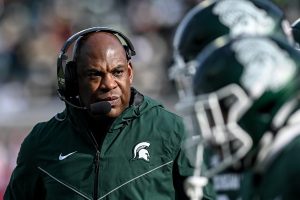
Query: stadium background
(32,33)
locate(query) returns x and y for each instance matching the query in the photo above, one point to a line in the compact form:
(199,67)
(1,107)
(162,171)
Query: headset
(66,70)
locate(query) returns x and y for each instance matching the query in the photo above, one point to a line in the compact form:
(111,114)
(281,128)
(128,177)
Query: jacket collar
(139,104)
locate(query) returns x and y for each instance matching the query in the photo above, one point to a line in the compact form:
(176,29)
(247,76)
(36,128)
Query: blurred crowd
(32,33)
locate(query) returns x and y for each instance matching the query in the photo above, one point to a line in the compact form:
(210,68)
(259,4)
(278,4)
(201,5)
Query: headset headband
(74,37)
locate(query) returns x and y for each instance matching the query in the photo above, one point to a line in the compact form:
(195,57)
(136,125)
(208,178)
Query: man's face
(104,74)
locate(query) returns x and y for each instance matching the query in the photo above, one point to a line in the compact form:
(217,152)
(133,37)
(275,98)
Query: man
(247,110)
(111,142)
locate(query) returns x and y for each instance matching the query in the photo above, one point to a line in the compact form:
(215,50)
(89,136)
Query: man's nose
(108,82)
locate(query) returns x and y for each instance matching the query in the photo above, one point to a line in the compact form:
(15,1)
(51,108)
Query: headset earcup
(71,79)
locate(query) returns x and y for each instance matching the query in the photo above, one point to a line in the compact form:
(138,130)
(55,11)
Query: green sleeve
(24,182)
(186,169)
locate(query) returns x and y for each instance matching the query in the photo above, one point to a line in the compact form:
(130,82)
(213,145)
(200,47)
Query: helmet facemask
(182,73)
(215,116)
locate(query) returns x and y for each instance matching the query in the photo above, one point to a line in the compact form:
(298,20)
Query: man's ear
(130,72)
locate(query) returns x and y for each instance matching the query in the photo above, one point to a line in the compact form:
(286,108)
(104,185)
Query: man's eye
(118,73)
(93,74)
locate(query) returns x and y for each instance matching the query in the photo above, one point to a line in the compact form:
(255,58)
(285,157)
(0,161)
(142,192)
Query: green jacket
(139,159)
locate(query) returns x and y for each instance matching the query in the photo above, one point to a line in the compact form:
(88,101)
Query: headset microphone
(100,108)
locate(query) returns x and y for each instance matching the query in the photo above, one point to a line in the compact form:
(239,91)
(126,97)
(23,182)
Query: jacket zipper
(96,161)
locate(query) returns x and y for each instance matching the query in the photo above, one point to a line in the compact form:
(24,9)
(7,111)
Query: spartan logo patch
(140,151)
(267,66)
(243,17)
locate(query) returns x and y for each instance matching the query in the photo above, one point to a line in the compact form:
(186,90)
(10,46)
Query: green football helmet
(211,19)
(296,32)
(245,90)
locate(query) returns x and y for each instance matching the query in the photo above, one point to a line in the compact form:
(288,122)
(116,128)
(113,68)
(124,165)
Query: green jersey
(226,184)
(280,174)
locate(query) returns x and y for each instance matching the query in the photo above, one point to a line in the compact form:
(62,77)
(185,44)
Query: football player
(211,19)
(246,106)
(204,23)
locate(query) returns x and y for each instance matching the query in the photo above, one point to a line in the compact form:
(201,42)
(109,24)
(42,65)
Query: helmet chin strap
(194,184)
(283,137)
(273,141)
(265,146)
(282,116)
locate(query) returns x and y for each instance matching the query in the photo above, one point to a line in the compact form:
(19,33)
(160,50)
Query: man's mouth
(112,100)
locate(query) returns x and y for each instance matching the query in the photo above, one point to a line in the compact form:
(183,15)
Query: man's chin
(114,113)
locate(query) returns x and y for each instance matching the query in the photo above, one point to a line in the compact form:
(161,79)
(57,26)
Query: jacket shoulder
(161,111)
(33,140)
(169,124)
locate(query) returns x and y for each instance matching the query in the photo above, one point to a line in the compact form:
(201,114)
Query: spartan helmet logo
(243,17)
(278,68)
(140,151)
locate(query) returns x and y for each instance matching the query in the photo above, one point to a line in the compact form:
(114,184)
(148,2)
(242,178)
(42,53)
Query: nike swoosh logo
(61,157)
